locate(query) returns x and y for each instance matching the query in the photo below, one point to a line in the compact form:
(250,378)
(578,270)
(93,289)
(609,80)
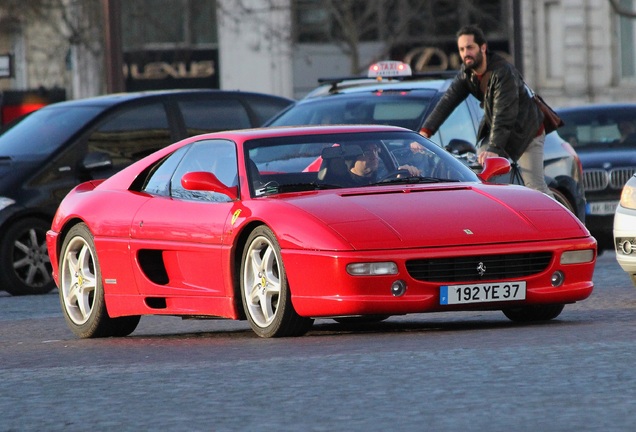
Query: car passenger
(628,131)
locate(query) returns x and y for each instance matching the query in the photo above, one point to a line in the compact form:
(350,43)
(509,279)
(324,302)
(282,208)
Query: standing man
(512,125)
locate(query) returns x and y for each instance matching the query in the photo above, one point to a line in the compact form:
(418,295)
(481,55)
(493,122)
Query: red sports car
(280,226)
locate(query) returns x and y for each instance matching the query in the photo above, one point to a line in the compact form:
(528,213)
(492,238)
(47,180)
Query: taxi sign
(389,69)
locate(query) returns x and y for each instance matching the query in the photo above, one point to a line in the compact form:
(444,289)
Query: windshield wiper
(414,180)
(274,188)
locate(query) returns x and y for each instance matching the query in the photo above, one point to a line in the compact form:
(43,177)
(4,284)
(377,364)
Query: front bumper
(321,287)
(624,237)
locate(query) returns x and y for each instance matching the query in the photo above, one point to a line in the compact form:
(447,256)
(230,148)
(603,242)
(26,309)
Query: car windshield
(311,162)
(587,129)
(45,130)
(389,108)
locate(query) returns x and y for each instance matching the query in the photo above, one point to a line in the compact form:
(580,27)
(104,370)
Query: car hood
(413,217)
(607,158)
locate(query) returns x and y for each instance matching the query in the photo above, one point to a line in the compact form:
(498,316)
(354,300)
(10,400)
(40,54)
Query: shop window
(168,23)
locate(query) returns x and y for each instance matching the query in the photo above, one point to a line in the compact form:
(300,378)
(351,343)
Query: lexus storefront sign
(168,69)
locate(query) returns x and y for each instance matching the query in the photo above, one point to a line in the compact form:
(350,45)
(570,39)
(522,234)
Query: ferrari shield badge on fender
(235,216)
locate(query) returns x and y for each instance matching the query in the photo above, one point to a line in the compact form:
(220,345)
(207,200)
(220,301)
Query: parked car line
(48,152)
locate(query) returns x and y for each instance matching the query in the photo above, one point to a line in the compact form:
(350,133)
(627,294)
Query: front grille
(599,179)
(464,269)
(595,180)
(619,176)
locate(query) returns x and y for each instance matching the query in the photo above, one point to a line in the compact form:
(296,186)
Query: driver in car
(364,169)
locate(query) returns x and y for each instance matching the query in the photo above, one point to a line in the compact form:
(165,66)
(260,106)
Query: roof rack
(335,81)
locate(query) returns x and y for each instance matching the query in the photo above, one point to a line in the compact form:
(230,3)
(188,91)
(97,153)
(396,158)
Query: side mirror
(494,166)
(207,182)
(460,146)
(96,160)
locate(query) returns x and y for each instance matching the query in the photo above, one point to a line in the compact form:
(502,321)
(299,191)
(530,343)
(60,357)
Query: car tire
(82,291)
(25,267)
(533,313)
(562,199)
(264,289)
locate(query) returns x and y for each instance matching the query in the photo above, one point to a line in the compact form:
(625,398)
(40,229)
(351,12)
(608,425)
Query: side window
(213,115)
(158,182)
(131,134)
(215,156)
(406,113)
(266,108)
(458,125)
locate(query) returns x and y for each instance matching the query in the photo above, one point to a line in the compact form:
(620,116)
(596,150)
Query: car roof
(123,178)
(597,107)
(119,98)
(279,131)
(438,81)
(426,88)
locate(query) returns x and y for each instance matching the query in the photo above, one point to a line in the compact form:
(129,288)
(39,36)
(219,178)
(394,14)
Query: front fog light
(398,288)
(577,256)
(557,278)
(626,246)
(372,269)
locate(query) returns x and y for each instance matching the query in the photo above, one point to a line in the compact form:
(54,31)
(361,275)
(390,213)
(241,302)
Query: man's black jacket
(511,117)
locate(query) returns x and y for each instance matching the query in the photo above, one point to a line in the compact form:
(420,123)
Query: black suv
(406,100)
(56,147)
(604,136)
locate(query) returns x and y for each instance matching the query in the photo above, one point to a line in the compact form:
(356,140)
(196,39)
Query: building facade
(570,51)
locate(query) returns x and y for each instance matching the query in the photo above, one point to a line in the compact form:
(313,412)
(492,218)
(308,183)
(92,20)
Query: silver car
(406,101)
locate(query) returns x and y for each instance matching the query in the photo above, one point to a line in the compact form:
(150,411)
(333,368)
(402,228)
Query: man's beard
(477,61)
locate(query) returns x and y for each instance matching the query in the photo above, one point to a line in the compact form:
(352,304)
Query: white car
(625,229)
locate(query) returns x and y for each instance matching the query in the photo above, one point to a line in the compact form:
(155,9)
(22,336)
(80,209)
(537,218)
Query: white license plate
(601,208)
(482,293)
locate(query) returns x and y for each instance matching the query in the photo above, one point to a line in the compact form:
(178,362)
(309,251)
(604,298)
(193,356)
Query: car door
(177,238)
(124,136)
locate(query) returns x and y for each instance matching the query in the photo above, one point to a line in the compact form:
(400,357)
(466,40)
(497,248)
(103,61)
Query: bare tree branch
(76,30)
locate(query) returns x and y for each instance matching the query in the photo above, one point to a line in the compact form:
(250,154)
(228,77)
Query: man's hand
(485,155)
(413,171)
(425,133)
(416,147)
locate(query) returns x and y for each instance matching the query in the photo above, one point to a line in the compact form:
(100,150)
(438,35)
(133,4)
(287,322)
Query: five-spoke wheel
(25,267)
(82,292)
(264,290)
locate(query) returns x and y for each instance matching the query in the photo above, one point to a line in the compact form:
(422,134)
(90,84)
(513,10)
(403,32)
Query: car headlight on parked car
(372,269)
(628,196)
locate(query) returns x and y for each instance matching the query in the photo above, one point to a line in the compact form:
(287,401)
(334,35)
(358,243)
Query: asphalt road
(430,372)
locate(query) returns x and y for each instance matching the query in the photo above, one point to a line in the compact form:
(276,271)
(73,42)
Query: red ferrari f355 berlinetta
(280,226)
